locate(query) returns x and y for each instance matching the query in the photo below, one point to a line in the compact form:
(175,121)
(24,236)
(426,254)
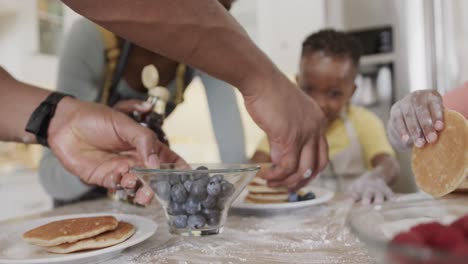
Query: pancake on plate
(69,230)
(123,231)
(260,193)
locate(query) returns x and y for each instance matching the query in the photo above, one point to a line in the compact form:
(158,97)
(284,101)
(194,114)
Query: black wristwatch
(39,121)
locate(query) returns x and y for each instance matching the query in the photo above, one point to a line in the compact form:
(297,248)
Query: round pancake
(249,199)
(69,230)
(259,185)
(259,192)
(441,167)
(123,231)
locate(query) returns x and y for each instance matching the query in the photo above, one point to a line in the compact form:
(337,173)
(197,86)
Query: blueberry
(211,212)
(210,202)
(176,208)
(213,188)
(198,190)
(293,197)
(184,177)
(307,196)
(188,185)
(180,221)
(162,177)
(174,179)
(196,221)
(178,193)
(227,189)
(192,206)
(212,216)
(198,176)
(214,220)
(217,178)
(222,202)
(201,174)
(163,190)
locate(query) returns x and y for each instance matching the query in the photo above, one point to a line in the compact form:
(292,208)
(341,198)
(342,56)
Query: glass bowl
(196,198)
(377,225)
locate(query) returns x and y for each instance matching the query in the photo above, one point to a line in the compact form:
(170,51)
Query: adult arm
(201,33)
(80,72)
(92,141)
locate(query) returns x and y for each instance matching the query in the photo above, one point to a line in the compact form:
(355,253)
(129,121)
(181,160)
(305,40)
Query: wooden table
(310,235)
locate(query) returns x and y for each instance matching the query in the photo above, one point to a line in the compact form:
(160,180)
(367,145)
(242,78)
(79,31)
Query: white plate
(13,249)
(321,196)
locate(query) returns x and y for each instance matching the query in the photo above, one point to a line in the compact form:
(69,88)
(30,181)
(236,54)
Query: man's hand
(295,128)
(100,145)
(416,119)
(132,105)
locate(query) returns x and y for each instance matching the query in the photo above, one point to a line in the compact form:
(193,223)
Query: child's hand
(370,188)
(416,119)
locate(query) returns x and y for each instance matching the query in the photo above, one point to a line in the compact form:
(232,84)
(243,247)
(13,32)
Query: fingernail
(146,105)
(307,174)
(432,137)
(153,161)
(419,142)
(138,201)
(405,139)
(113,183)
(439,125)
(131,184)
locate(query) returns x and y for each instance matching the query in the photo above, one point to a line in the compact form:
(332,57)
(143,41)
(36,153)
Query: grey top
(80,73)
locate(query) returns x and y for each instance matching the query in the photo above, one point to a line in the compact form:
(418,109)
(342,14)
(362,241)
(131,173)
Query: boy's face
(328,80)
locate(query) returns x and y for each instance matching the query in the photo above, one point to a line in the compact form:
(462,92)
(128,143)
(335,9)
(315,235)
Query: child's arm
(383,167)
(389,167)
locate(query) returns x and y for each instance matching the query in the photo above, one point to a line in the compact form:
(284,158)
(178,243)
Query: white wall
(18,34)
(355,14)
(283,25)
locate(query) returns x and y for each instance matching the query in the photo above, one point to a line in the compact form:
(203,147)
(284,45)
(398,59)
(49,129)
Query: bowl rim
(235,167)
(422,253)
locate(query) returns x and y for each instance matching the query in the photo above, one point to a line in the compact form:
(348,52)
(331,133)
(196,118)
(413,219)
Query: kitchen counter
(316,234)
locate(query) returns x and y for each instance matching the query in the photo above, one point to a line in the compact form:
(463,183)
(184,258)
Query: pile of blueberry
(295,197)
(193,199)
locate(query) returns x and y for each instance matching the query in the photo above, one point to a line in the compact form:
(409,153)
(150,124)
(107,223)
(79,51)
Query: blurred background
(408,45)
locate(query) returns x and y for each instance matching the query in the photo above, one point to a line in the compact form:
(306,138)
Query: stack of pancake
(77,234)
(260,193)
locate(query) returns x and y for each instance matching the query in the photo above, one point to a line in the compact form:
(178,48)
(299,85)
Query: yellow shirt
(369,129)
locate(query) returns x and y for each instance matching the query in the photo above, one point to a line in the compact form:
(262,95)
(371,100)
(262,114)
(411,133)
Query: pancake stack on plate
(77,234)
(260,193)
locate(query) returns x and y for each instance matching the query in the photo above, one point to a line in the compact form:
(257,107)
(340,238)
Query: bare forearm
(18,101)
(388,166)
(200,33)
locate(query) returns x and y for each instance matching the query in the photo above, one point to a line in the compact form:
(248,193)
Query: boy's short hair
(334,43)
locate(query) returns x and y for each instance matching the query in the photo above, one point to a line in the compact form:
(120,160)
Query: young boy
(361,159)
